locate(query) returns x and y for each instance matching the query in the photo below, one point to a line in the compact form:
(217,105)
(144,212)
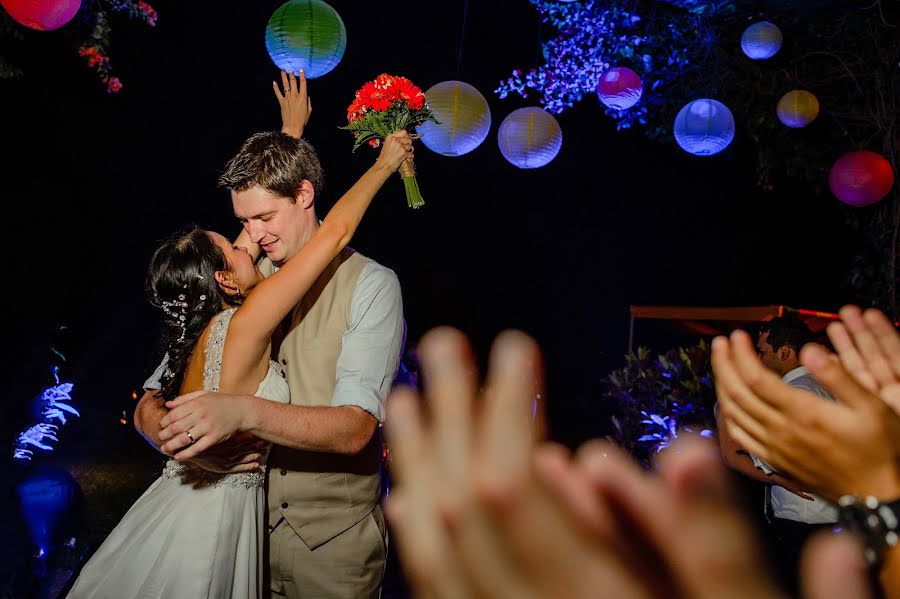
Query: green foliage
(653,397)
(378,124)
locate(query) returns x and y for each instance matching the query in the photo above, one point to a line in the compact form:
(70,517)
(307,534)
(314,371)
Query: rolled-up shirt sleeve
(371,347)
(154,383)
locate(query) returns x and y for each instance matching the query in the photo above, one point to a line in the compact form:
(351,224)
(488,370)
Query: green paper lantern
(306,35)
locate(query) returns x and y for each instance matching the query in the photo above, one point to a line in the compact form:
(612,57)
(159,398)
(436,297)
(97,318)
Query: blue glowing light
(46,495)
(704,127)
(52,406)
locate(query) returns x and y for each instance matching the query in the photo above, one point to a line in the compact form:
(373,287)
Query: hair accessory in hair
(180,317)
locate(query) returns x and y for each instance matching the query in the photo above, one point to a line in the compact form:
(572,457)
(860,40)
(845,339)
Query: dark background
(92,183)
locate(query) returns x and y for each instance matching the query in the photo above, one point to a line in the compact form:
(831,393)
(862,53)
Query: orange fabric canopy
(709,321)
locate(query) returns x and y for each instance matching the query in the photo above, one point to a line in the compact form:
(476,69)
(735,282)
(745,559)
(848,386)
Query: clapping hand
(833,448)
(868,346)
(482,509)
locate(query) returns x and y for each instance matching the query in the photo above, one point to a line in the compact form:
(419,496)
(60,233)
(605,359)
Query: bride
(194,533)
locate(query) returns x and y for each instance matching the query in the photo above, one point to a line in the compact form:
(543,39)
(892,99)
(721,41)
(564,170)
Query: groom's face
(276,223)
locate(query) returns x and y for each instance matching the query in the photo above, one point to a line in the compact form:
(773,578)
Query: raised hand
(869,348)
(295,103)
(396,148)
(833,448)
(481,510)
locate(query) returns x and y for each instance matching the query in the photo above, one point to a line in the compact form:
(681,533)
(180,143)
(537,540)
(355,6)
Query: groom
(340,352)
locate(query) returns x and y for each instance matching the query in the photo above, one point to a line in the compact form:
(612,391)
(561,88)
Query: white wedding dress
(192,534)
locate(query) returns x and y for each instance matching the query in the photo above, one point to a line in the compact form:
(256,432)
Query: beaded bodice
(273,387)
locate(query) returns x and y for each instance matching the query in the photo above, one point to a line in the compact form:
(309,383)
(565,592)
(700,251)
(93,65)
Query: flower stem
(413,195)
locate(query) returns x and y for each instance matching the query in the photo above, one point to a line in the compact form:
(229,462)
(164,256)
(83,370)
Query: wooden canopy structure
(710,321)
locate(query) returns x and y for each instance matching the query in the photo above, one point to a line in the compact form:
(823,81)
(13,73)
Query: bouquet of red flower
(388,104)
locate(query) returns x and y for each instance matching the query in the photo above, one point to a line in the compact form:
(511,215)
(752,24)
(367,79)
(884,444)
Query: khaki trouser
(349,566)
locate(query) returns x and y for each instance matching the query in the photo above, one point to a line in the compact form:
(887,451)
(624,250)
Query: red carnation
(405,90)
(373,97)
(355,111)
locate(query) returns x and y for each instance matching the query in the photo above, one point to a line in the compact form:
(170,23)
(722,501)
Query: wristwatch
(877,523)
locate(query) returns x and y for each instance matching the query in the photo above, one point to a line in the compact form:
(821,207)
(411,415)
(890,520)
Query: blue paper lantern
(306,35)
(529,137)
(761,41)
(464,115)
(704,127)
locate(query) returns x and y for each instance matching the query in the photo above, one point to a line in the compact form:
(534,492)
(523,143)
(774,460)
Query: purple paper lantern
(620,88)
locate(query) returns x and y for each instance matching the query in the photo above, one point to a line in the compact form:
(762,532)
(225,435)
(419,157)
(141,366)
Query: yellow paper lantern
(464,116)
(529,137)
(797,108)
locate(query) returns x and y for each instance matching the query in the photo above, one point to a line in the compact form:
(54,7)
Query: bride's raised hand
(295,103)
(396,148)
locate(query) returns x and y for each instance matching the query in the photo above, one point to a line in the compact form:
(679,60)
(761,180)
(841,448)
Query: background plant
(653,397)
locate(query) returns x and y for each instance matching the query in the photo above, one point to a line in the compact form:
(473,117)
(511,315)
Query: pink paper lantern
(620,88)
(861,178)
(43,15)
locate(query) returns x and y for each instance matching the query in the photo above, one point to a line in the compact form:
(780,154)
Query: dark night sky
(93,182)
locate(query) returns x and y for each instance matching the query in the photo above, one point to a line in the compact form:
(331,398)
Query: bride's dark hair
(182,282)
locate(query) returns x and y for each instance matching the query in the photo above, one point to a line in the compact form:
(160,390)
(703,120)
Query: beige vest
(321,494)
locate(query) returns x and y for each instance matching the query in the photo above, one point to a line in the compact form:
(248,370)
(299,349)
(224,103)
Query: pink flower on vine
(94,57)
(113,85)
(149,13)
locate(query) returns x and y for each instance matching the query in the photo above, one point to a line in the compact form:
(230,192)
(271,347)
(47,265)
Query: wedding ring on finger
(189,436)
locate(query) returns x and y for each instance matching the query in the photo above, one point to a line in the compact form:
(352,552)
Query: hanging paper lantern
(704,127)
(464,116)
(620,88)
(761,40)
(529,137)
(798,108)
(43,15)
(861,178)
(307,35)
